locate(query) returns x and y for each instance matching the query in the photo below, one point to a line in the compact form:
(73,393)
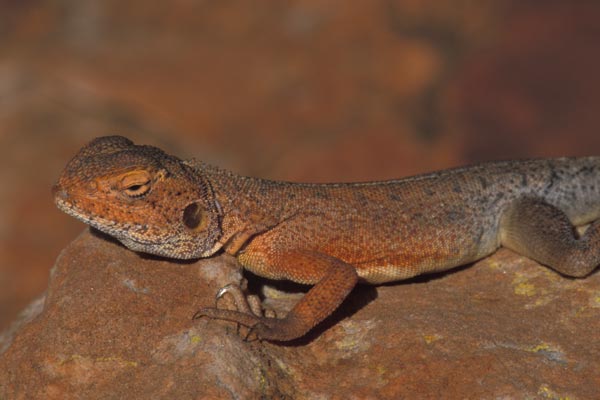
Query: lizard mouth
(64,202)
(125,233)
(69,208)
(102,224)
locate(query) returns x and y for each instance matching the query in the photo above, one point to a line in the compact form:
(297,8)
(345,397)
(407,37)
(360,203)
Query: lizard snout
(58,192)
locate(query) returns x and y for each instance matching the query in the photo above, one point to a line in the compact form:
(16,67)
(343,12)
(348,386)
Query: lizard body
(335,235)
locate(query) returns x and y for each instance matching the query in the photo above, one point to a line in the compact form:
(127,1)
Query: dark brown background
(299,90)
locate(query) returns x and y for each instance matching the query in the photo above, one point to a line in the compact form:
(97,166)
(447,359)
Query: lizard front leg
(334,281)
(542,232)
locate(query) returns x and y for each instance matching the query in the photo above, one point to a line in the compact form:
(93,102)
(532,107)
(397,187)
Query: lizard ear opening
(194,217)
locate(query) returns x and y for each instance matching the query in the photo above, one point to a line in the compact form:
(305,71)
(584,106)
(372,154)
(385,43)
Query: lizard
(333,236)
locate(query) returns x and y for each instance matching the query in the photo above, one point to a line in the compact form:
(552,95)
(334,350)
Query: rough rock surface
(116,324)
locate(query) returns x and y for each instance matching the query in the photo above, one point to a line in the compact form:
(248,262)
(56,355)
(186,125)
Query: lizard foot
(249,311)
(335,279)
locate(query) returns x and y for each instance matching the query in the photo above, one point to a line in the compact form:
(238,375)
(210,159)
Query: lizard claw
(226,289)
(247,305)
(198,314)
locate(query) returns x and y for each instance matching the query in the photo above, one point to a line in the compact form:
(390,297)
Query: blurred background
(301,90)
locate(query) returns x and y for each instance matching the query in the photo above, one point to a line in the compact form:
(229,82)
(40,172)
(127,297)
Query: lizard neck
(247,205)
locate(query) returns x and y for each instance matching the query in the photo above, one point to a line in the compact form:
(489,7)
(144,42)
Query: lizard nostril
(59,192)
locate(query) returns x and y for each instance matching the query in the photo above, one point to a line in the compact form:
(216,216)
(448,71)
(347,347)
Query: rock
(116,324)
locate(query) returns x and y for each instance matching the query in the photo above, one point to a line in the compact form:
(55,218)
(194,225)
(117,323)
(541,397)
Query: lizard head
(149,200)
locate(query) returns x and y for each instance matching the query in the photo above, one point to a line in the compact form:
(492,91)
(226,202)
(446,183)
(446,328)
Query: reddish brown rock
(118,325)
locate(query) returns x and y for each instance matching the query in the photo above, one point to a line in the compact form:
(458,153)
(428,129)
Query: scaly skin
(334,235)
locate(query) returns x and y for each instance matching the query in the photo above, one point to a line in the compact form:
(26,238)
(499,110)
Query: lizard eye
(136,184)
(137,190)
